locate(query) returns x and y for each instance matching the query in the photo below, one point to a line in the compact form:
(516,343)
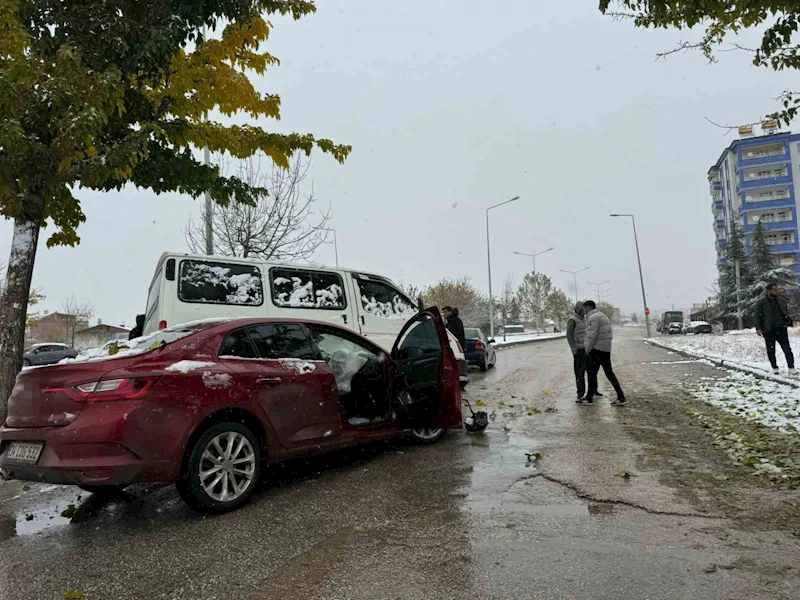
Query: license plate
(24,452)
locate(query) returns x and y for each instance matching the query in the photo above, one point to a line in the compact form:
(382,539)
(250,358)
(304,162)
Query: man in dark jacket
(137,331)
(772,320)
(454,325)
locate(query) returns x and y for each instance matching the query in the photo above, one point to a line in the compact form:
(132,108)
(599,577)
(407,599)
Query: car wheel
(222,469)
(428,435)
(103,491)
(483,366)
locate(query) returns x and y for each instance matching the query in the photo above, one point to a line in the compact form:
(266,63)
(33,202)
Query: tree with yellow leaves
(105,94)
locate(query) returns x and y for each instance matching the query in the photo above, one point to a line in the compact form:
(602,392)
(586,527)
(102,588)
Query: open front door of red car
(427,389)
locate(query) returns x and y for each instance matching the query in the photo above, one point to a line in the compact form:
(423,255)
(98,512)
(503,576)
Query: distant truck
(671,316)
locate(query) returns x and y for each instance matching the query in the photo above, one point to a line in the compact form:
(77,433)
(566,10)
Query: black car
(47,354)
(698,327)
(479,350)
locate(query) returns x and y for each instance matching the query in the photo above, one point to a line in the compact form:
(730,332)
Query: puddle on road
(37,518)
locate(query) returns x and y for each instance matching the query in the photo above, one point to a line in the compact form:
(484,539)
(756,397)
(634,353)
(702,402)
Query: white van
(189,287)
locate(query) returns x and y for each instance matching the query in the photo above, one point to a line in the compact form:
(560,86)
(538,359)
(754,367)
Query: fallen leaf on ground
(73,595)
(533,456)
(480,403)
(68,513)
(624,474)
(551,409)
(506,429)
(29,517)
(501,404)
(535,410)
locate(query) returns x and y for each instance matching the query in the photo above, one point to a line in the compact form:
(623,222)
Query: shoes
(585,402)
(598,394)
(619,402)
(776,370)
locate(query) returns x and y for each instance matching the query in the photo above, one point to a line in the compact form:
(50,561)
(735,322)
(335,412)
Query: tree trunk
(14,308)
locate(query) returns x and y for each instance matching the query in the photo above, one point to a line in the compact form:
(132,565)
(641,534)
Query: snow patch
(301,367)
(187,366)
(217,381)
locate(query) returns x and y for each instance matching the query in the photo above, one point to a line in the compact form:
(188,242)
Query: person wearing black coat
(772,322)
(137,331)
(455,325)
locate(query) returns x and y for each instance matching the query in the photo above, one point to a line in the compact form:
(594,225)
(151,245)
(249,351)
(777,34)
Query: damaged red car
(208,405)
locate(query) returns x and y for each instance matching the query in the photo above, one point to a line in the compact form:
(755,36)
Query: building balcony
(764,205)
(719,224)
(776,225)
(721,262)
(783,248)
(722,244)
(717,204)
(716,186)
(766,182)
(757,161)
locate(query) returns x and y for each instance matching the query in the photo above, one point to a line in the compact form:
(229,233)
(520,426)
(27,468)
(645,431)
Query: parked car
(698,327)
(674,328)
(190,287)
(209,405)
(47,354)
(479,350)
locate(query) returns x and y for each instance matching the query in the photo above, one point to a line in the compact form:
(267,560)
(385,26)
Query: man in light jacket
(576,338)
(598,349)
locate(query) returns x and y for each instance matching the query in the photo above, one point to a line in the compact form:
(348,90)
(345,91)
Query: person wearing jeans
(772,323)
(598,348)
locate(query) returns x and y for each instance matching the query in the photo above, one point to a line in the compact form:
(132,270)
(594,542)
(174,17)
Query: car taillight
(162,324)
(479,347)
(108,390)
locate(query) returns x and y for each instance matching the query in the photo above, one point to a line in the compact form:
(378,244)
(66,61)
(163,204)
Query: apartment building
(757,179)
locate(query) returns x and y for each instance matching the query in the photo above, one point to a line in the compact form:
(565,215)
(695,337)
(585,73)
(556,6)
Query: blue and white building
(757,178)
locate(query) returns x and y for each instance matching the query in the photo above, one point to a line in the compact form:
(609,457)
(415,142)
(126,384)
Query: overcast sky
(454,106)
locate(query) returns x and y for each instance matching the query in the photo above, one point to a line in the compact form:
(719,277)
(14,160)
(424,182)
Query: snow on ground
(187,366)
(767,402)
(524,337)
(743,347)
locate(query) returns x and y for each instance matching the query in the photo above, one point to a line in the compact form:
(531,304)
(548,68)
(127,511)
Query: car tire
(103,491)
(210,451)
(428,435)
(483,366)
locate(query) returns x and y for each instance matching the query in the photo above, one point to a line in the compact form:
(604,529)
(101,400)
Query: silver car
(47,354)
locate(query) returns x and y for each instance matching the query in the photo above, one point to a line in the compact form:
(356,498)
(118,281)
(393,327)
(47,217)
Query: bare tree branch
(280,226)
(77,313)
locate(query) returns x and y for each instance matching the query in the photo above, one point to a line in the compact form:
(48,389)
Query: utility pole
(597,287)
(575,279)
(489,261)
(533,256)
(641,276)
(209,205)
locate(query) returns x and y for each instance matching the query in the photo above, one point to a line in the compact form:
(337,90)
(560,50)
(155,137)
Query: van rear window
(220,283)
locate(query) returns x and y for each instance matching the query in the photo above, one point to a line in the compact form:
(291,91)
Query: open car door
(427,389)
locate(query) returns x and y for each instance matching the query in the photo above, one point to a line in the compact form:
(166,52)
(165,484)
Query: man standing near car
(772,322)
(454,325)
(576,338)
(598,348)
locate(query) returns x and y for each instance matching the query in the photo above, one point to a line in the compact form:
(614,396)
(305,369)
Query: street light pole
(533,256)
(335,244)
(575,279)
(597,285)
(641,276)
(489,263)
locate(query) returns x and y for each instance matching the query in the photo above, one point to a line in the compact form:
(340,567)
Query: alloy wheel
(227,466)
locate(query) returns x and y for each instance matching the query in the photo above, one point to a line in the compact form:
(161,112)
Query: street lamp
(641,277)
(597,285)
(533,256)
(489,261)
(575,278)
(335,245)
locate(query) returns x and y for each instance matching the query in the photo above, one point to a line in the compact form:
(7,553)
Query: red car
(208,405)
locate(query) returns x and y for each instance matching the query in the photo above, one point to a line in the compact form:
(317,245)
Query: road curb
(727,364)
(515,344)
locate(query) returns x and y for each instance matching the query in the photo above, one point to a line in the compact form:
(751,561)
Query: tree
(634,318)
(760,259)
(722,18)
(532,295)
(278,226)
(606,309)
(558,306)
(461,294)
(103,94)
(506,303)
(728,285)
(77,314)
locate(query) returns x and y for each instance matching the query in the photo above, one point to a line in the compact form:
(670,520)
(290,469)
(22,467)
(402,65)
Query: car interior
(361,378)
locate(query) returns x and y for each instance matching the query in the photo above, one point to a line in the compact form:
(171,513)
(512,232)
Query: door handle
(363,320)
(269,380)
(344,318)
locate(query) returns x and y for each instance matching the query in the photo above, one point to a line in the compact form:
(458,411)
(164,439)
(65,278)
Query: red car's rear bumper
(109,443)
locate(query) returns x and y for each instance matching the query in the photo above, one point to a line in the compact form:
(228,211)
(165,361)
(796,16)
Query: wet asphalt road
(469,517)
